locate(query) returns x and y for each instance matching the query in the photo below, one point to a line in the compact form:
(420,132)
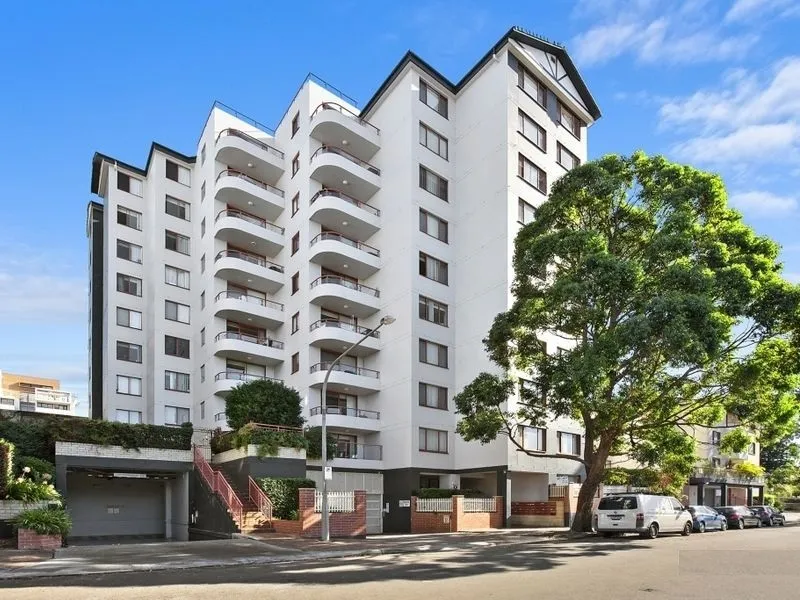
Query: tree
(674,310)
(263,401)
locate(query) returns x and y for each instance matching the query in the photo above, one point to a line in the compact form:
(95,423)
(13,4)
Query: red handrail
(219,485)
(259,498)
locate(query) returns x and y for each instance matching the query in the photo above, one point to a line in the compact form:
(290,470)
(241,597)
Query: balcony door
(346,446)
(349,364)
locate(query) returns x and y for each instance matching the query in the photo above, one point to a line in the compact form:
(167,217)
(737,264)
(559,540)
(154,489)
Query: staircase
(253,520)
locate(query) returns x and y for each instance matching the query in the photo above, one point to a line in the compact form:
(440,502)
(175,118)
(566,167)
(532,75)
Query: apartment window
(433,311)
(132,417)
(176,242)
(203,155)
(203,191)
(177,208)
(751,449)
(433,183)
(128,251)
(432,396)
(131,386)
(432,141)
(129,352)
(295,362)
(203,263)
(177,277)
(175,415)
(716,436)
(570,120)
(176,172)
(428,481)
(203,409)
(295,243)
(202,374)
(129,285)
(526,213)
(566,158)
(432,353)
(432,268)
(203,227)
(295,282)
(203,336)
(432,225)
(177,382)
(176,312)
(532,86)
(432,440)
(295,164)
(569,443)
(129,318)
(534,438)
(129,218)
(295,124)
(295,322)
(295,203)
(175,346)
(531,393)
(532,174)
(432,98)
(567,479)
(532,131)
(202,300)
(129,184)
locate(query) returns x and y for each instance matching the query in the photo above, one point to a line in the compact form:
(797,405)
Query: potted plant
(42,528)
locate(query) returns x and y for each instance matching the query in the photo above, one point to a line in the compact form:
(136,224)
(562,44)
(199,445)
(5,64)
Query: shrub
(313,436)
(39,470)
(266,440)
(283,491)
(6,466)
(263,401)
(447,493)
(44,521)
(748,470)
(25,489)
(30,437)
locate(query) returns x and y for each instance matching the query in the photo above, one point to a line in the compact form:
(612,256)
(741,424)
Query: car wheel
(771,523)
(687,528)
(723,526)
(740,524)
(759,523)
(701,527)
(782,522)
(652,532)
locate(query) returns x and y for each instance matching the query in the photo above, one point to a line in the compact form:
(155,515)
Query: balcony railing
(220,416)
(719,474)
(336,280)
(252,299)
(359,451)
(251,258)
(346,112)
(338,237)
(343,325)
(323,366)
(346,198)
(252,140)
(347,412)
(238,214)
(239,376)
(253,180)
(252,339)
(335,150)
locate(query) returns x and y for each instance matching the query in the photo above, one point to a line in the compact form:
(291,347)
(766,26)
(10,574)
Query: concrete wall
(209,517)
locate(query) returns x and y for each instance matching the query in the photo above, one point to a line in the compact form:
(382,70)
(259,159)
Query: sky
(714,83)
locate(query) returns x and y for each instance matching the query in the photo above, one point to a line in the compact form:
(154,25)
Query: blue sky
(713,83)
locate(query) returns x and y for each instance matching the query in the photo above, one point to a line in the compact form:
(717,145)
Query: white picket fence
(474,505)
(435,505)
(338,502)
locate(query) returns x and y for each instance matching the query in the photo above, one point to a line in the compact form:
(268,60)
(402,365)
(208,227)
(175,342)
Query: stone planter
(28,539)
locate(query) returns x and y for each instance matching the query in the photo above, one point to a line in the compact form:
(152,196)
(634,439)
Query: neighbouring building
(35,394)
(262,253)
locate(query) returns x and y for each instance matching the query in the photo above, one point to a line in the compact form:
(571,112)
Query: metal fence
(473,505)
(338,502)
(435,505)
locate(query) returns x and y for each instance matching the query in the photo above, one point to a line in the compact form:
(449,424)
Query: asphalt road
(735,565)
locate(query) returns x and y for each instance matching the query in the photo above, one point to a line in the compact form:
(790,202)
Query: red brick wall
(534,508)
(287,527)
(537,514)
(352,524)
(457,520)
(28,539)
(429,522)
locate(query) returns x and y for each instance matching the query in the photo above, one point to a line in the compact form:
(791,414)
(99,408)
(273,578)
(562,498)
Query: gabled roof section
(515,33)
(98,159)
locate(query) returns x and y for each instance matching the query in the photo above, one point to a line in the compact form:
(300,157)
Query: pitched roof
(98,159)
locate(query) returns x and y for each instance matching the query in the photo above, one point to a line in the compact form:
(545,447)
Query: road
(735,565)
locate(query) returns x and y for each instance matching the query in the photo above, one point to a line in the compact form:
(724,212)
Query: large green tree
(675,312)
(263,401)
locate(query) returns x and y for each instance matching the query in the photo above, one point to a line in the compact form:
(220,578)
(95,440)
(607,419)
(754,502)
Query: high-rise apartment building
(266,252)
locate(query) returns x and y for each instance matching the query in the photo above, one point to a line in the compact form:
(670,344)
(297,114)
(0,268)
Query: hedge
(268,441)
(447,493)
(283,491)
(44,521)
(6,466)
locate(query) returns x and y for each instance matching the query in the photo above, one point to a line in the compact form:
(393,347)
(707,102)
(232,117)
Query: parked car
(645,514)
(739,516)
(706,518)
(769,515)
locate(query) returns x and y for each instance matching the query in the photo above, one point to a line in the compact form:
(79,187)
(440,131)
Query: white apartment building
(269,251)
(29,393)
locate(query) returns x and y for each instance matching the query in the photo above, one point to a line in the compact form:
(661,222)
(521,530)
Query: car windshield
(726,510)
(618,503)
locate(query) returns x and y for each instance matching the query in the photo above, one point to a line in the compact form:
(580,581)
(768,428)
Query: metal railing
(344,325)
(238,376)
(279,428)
(251,258)
(239,214)
(324,366)
(252,339)
(338,237)
(444,505)
(558,491)
(220,416)
(726,475)
(253,180)
(346,112)
(338,502)
(336,280)
(253,299)
(346,198)
(358,451)
(473,505)
(336,150)
(242,135)
(259,498)
(346,411)
(219,485)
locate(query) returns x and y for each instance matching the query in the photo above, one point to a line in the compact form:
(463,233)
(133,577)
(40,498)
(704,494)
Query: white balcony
(350,419)
(334,168)
(236,306)
(225,381)
(243,347)
(355,456)
(249,271)
(249,194)
(345,296)
(245,153)
(345,378)
(334,125)
(335,336)
(238,228)
(336,210)
(339,253)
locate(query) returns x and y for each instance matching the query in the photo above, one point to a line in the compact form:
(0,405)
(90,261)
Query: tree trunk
(595,469)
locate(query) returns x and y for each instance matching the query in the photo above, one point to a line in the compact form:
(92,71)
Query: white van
(645,514)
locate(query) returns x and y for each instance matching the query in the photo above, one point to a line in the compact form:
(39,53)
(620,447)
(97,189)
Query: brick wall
(352,524)
(537,514)
(284,527)
(28,539)
(430,522)
(457,519)
(80,449)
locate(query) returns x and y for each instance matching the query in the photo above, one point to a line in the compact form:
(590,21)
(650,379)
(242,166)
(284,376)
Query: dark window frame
(179,344)
(441,396)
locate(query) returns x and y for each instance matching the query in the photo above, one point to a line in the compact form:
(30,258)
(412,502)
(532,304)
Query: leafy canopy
(263,401)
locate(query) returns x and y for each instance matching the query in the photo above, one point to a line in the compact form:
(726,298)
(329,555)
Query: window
(129,184)
(751,449)
(129,352)
(202,300)
(295,243)
(203,409)
(432,353)
(175,415)
(176,312)
(203,227)
(129,318)
(532,86)
(176,242)
(432,268)
(566,158)
(176,277)
(567,479)
(570,121)
(202,374)
(295,203)
(526,213)
(129,218)
(295,283)
(432,225)
(715,438)
(175,172)
(203,155)
(532,131)
(128,251)
(295,164)
(432,140)
(432,98)
(178,208)
(295,362)
(716,463)
(132,417)
(203,191)
(203,336)
(531,393)
(569,443)
(618,503)
(428,481)
(534,438)
(203,263)
(432,396)
(432,440)
(433,311)
(433,183)
(532,174)
(177,382)
(132,386)
(175,346)
(129,285)
(295,124)
(295,322)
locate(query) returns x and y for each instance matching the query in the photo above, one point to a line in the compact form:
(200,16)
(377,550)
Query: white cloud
(742,10)
(753,144)
(793,277)
(764,203)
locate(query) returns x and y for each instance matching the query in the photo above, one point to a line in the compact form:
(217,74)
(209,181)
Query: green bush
(30,437)
(748,470)
(37,469)
(313,436)
(283,491)
(44,521)
(26,490)
(446,493)
(6,466)
(263,401)
(266,440)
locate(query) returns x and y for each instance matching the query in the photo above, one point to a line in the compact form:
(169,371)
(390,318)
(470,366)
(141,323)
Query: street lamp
(326,534)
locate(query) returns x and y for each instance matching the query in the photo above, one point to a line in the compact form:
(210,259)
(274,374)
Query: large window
(534,438)
(532,131)
(177,277)
(175,415)
(131,386)
(532,174)
(433,183)
(175,346)
(176,242)
(432,396)
(432,353)
(433,311)
(295,283)
(569,443)
(129,285)
(295,362)
(566,158)
(570,120)
(432,440)
(129,184)
(176,172)
(173,311)
(129,218)
(295,164)
(432,268)
(179,208)
(526,213)
(132,417)
(177,382)
(532,86)
(432,225)
(129,318)
(129,352)
(432,98)
(295,243)
(433,141)
(716,437)
(128,251)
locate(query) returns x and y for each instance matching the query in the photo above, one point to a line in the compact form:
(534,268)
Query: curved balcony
(354,419)
(334,125)
(239,228)
(335,336)
(236,306)
(338,211)
(225,381)
(250,155)
(249,194)
(344,296)
(345,378)
(334,167)
(339,253)
(241,346)
(249,271)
